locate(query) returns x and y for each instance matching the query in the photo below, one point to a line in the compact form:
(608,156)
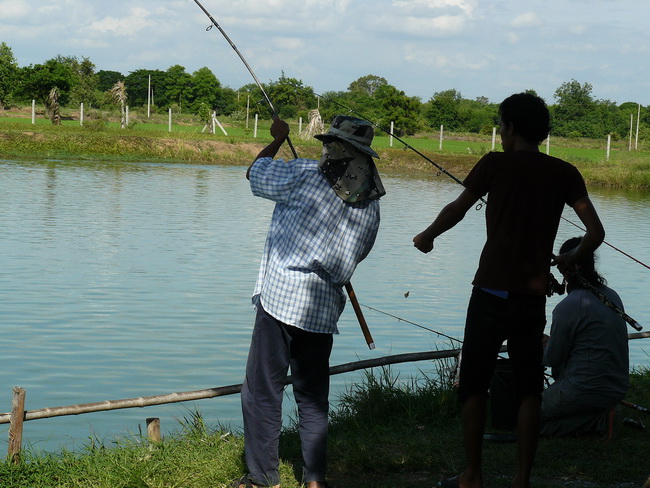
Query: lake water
(128,280)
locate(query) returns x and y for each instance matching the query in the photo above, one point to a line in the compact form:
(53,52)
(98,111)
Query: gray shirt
(588,347)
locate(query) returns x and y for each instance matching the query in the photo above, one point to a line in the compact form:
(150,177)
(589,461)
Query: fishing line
(443,170)
(400,319)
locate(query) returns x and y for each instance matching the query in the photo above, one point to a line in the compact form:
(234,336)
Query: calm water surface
(128,280)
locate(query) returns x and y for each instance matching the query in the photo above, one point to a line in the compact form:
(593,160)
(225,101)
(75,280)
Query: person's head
(527,116)
(346,160)
(350,130)
(585,266)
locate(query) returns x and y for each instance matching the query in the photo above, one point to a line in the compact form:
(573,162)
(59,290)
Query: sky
(481,48)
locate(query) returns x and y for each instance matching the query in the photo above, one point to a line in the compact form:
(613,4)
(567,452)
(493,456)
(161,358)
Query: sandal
(244,482)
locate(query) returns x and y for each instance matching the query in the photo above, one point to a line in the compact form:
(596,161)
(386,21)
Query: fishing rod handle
(360,317)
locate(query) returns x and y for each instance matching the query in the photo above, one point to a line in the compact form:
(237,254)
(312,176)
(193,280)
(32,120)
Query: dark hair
(528,115)
(587,265)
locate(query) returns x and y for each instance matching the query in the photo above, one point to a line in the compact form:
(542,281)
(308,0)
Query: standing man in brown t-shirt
(527,191)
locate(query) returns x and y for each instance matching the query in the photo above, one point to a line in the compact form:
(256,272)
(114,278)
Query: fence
(19,415)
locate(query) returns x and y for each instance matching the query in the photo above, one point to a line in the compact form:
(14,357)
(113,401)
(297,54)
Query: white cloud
(129,25)
(14,9)
(467,6)
(528,19)
(578,29)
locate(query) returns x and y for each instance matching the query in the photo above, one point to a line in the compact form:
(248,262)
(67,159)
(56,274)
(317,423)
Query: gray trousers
(274,348)
(577,415)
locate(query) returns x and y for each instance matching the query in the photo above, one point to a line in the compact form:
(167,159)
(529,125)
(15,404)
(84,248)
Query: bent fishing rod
(348,286)
(443,170)
(248,67)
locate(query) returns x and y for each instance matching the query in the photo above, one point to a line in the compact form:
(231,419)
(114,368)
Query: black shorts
(491,320)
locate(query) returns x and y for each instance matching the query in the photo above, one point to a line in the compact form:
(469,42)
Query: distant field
(97,137)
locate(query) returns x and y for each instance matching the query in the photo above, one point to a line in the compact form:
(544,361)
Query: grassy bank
(385,434)
(102,139)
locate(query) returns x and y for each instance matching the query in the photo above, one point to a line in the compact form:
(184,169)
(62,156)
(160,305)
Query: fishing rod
(348,286)
(248,67)
(443,170)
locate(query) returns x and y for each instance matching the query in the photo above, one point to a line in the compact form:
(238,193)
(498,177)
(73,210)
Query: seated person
(588,354)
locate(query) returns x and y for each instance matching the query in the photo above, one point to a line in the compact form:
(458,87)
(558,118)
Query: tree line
(575,111)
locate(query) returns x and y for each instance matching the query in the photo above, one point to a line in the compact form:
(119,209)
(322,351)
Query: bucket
(503,400)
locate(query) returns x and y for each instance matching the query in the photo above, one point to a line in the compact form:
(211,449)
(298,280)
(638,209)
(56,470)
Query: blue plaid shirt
(313,245)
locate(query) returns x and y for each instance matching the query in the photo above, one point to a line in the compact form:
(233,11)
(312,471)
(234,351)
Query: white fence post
(81,114)
(170,120)
(609,143)
(33,111)
(494,137)
(255,128)
(392,125)
(441,131)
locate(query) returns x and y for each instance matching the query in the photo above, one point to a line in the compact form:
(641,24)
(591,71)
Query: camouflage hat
(356,132)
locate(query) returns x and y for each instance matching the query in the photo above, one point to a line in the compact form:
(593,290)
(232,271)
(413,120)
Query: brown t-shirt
(526,195)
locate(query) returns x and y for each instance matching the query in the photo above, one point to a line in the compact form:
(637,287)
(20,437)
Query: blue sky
(488,48)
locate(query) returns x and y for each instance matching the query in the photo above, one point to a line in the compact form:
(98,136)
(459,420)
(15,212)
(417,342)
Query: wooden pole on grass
(153,429)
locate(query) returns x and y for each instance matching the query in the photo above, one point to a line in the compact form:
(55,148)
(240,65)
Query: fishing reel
(555,287)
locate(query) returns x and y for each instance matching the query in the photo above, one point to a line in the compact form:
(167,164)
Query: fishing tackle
(348,286)
(248,67)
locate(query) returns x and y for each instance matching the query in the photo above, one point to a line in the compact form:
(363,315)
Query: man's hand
(280,133)
(423,242)
(279,129)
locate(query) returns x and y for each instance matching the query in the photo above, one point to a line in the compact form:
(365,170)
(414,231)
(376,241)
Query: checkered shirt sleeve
(314,243)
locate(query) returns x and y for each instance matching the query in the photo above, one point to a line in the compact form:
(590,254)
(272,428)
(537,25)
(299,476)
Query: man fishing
(527,191)
(588,354)
(325,222)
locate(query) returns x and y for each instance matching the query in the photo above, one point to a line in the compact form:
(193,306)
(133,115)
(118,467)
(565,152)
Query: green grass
(386,433)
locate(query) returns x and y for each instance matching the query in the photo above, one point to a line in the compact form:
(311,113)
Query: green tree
(444,109)
(574,114)
(107,79)
(84,80)
(178,86)
(396,107)
(367,85)
(8,74)
(38,80)
(205,89)
(137,84)
(290,97)
(478,116)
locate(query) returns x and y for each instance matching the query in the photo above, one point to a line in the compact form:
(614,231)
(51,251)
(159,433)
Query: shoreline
(41,141)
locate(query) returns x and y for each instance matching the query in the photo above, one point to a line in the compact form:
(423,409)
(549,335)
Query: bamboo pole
(17,417)
(82,408)
(234,389)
